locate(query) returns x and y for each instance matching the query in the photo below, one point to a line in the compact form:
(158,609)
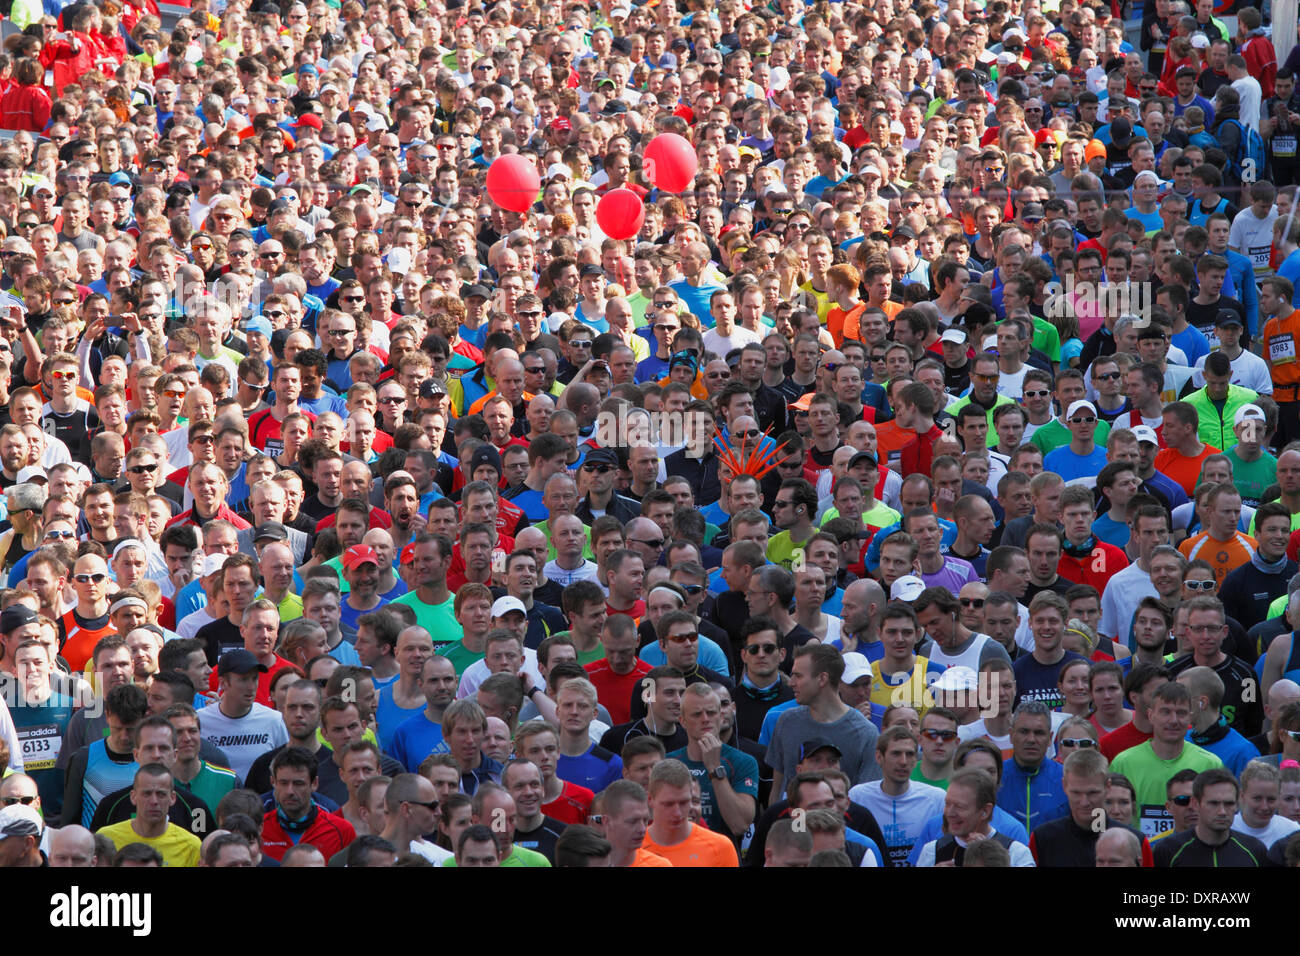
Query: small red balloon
(620,214)
(670,162)
(513,182)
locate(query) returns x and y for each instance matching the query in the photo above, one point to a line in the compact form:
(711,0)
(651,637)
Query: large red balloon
(670,162)
(513,182)
(620,214)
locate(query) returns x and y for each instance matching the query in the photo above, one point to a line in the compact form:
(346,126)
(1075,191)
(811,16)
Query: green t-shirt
(438,619)
(545,529)
(922,778)
(1149,775)
(781,549)
(1053,435)
(519,856)
(1047,340)
(460,656)
(880,516)
(585,657)
(1252,478)
(211,784)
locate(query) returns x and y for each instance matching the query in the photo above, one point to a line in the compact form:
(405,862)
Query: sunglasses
(60,535)
(599,469)
(945,735)
(339,333)
(972,602)
(204,440)
(692,589)
(1108,377)
(63,376)
(172,393)
(95,578)
(1083,420)
(1037,393)
(760,649)
(142,469)
(684,638)
(657,544)
(1182,800)
(580,345)
(277,314)
(1078,743)
(534,369)
(25,801)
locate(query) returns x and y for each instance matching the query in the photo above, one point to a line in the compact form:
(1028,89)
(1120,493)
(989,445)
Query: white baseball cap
(956,336)
(1145,433)
(906,588)
(856,667)
(1250,412)
(506,604)
(1078,406)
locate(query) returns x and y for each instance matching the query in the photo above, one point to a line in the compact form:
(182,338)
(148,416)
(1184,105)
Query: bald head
(72,846)
(1283,692)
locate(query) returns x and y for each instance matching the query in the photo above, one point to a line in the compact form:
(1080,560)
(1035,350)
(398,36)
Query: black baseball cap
(238,661)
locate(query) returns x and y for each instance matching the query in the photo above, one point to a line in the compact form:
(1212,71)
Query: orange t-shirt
(700,848)
(891,438)
(1223,556)
(645,858)
(1178,467)
(843,323)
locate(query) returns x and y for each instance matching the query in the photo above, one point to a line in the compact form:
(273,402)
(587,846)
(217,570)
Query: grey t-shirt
(853,734)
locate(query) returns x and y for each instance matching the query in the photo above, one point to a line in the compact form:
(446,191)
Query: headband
(128,602)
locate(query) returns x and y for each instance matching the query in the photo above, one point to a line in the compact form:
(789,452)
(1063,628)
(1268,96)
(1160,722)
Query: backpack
(1248,165)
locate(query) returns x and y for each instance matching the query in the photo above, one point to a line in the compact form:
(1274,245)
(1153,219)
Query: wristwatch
(531,691)
(719,772)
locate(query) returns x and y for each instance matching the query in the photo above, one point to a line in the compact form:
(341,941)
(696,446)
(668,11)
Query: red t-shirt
(635,612)
(571,806)
(615,690)
(1118,741)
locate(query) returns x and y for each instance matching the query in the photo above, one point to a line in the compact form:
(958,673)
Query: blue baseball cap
(259,324)
(119,178)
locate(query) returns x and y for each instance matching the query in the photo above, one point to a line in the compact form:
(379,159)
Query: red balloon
(670,162)
(513,182)
(620,213)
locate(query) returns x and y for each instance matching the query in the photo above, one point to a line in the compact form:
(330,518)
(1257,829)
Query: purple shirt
(954,573)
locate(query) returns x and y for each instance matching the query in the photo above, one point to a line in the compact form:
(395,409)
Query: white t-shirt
(246,738)
(1248,371)
(1278,828)
(720,345)
(587,572)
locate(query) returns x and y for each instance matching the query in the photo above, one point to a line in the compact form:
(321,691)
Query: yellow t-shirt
(178,847)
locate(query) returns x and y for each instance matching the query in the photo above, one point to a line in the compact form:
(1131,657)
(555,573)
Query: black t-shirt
(956,380)
(542,839)
(218,637)
(614,738)
(1204,316)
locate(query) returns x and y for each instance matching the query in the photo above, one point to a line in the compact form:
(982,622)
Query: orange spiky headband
(749,459)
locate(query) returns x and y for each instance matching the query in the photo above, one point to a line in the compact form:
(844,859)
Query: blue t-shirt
(1074,468)
(325,289)
(596,769)
(696,299)
(389,717)
(1193,343)
(711,656)
(1035,681)
(530,502)
(415,739)
(1111,531)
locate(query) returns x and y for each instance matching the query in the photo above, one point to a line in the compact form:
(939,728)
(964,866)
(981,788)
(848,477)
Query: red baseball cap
(309,119)
(561,122)
(358,555)
(408,554)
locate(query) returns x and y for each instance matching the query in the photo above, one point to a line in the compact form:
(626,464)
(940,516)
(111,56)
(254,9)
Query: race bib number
(1155,820)
(1259,257)
(1284,145)
(40,745)
(1281,349)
